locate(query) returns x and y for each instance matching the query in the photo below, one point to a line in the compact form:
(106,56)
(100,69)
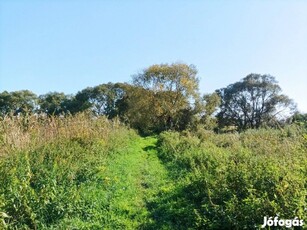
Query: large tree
(6,105)
(209,107)
(22,101)
(252,102)
(299,119)
(164,96)
(54,103)
(101,99)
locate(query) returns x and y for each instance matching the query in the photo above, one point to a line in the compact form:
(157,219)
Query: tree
(23,101)
(101,99)
(164,97)
(211,103)
(6,106)
(299,119)
(53,103)
(252,102)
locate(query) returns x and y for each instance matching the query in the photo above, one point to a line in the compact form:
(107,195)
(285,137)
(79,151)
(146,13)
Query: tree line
(166,97)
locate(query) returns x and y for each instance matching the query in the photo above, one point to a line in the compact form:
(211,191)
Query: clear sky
(67,45)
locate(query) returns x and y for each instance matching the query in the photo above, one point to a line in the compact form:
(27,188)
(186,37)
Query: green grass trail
(136,177)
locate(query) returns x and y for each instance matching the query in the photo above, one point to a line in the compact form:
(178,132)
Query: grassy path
(135,180)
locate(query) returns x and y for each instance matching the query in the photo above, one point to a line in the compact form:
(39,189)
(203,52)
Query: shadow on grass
(149,148)
(171,206)
(170,210)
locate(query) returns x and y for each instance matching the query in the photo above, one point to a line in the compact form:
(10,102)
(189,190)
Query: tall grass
(231,181)
(72,173)
(46,162)
(18,132)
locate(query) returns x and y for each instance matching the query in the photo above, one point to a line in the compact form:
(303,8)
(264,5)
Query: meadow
(80,172)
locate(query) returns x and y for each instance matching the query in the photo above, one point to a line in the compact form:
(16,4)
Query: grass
(232,181)
(132,180)
(84,173)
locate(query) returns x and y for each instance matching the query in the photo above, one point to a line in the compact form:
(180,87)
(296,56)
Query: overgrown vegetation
(52,170)
(219,161)
(83,172)
(231,181)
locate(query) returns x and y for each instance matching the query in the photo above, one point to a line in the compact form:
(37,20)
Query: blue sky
(67,45)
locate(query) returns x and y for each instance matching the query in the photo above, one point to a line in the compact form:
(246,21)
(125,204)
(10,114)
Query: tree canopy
(17,102)
(166,97)
(54,103)
(252,102)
